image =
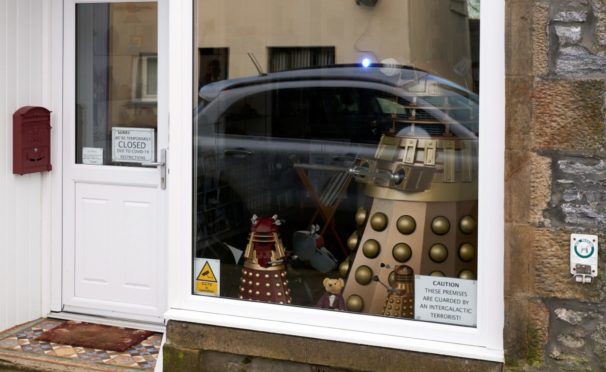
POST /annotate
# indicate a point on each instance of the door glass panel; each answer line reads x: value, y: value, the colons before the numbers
x: 116, y: 83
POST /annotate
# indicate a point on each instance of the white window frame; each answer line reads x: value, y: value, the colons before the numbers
x: 483, y: 342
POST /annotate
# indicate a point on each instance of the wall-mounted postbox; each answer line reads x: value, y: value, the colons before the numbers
x: 31, y: 140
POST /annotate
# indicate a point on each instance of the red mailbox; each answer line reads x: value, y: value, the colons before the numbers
x: 31, y: 140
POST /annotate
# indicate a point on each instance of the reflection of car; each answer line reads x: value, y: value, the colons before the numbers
x: 252, y: 132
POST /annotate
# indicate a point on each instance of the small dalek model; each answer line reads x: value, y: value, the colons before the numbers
x: 400, y: 301
x: 264, y: 272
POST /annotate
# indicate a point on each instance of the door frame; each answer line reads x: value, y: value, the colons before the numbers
x: 52, y: 258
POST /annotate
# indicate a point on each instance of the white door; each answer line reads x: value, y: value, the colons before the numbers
x: 114, y: 149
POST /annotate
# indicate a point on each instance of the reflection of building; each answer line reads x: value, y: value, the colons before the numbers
x: 391, y: 29
x: 133, y: 49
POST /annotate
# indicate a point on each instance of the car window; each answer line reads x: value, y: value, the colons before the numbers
x: 248, y: 116
x: 292, y: 112
x: 339, y: 114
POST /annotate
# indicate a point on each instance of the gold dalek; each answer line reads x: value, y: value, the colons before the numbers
x: 264, y: 273
x: 400, y: 301
x: 423, y: 184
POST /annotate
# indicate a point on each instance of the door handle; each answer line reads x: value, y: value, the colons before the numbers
x: 160, y: 164
x: 153, y: 164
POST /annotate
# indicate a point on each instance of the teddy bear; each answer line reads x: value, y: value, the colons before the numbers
x: 332, y: 298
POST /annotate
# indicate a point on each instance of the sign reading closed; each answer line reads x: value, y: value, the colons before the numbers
x: 133, y: 145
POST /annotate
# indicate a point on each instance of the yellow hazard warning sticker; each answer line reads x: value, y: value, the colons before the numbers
x: 207, y: 274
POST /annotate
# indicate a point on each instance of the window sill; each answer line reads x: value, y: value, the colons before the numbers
x: 340, y: 335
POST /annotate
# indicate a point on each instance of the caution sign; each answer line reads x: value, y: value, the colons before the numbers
x: 445, y: 300
x: 207, y: 276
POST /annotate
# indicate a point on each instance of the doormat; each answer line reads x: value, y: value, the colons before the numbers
x: 95, y: 336
x: 18, y: 345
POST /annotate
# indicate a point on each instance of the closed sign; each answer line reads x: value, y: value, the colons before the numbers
x: 133, y: 145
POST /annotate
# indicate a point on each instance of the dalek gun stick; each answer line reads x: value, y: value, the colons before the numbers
x: 362, y: 172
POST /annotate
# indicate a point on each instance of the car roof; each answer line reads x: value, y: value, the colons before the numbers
x: 391, y: 75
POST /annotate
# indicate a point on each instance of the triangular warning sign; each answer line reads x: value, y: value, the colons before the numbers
x: 206, y: 274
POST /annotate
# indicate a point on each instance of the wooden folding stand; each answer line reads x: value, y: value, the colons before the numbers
x: 329, y: 198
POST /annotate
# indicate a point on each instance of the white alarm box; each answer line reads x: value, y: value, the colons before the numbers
x: 583, y: 257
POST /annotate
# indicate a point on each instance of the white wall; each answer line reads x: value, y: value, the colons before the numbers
x: 24, y: 200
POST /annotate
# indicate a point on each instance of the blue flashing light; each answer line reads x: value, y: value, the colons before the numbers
x: 366, y: 62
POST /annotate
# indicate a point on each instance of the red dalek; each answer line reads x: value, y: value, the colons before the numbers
x: 264, y: 272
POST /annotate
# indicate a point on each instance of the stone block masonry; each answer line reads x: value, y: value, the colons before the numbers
x: 556, y: 137
x: 197, y: 347
x: 579, y: 192
x: 577, y: 336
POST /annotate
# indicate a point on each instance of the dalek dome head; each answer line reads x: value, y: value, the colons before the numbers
x: 404, y: 273
x: 429, y: 146
x: 402, y: 278
x: 265, y: 225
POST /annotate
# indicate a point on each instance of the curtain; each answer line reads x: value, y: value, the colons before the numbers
x: 285, y: 58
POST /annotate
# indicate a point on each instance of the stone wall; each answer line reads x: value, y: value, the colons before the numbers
x: 555, y: 178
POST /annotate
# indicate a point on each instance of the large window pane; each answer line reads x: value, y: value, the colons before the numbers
x: 336, y: 155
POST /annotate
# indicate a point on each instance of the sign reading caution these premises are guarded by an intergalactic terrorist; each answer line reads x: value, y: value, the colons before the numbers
x: 445, y: 300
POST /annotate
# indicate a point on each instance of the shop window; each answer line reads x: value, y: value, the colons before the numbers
x: 341, y: 194
x: 288, y: 58
x: 362, y: 174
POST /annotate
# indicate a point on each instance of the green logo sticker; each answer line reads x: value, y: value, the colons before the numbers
x: 584, y: 248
